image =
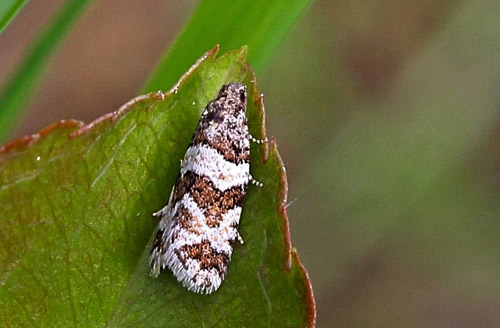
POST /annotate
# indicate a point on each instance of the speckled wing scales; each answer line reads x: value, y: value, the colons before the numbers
x: 198, y: 226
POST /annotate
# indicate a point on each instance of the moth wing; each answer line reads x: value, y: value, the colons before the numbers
x: 157, y: 260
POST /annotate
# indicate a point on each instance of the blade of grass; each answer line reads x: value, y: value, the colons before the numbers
x: 259, y: 24
x: 9, y: 10
x: 16, y: 94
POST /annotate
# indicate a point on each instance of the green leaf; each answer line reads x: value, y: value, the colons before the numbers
x: 8, y: 10
x: 17, y: 92
x: 75, y: 210
x: 259, y: 24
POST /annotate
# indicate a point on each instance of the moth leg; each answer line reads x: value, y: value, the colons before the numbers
x: 255, y: 182
x: 162, y: 212
x: 259, y: 141
x: 239, y: 238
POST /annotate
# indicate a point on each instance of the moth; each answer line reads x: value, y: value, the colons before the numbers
x: 199, y: 225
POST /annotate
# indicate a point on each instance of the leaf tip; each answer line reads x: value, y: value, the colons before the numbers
x: 212, y: 53
x: 243, y: 50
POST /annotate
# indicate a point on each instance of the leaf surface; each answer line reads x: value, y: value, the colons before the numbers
x: 76, y: 204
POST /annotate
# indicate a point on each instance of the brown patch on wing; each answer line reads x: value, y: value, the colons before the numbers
x: 209, y: 199
x: 185, y: 219
x: 208, y: 257
x: 227, y: 145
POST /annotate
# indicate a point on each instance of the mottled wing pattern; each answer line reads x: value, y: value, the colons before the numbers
x: 199, y: 224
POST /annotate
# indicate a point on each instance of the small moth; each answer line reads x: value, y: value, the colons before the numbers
x: 198, y: 226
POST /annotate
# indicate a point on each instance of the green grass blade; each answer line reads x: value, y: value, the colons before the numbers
x: 259, y: 24
x: 17, y: 92
x: 8, y: 10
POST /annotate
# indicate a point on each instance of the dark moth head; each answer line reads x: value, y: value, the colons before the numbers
x: 236, y: 92
x: 230, y: 103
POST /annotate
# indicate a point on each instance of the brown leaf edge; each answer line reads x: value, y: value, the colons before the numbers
x: 23, y: 143
x: 292, y: 256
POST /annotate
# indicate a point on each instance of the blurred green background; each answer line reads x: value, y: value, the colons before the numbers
x: 387, y: 116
